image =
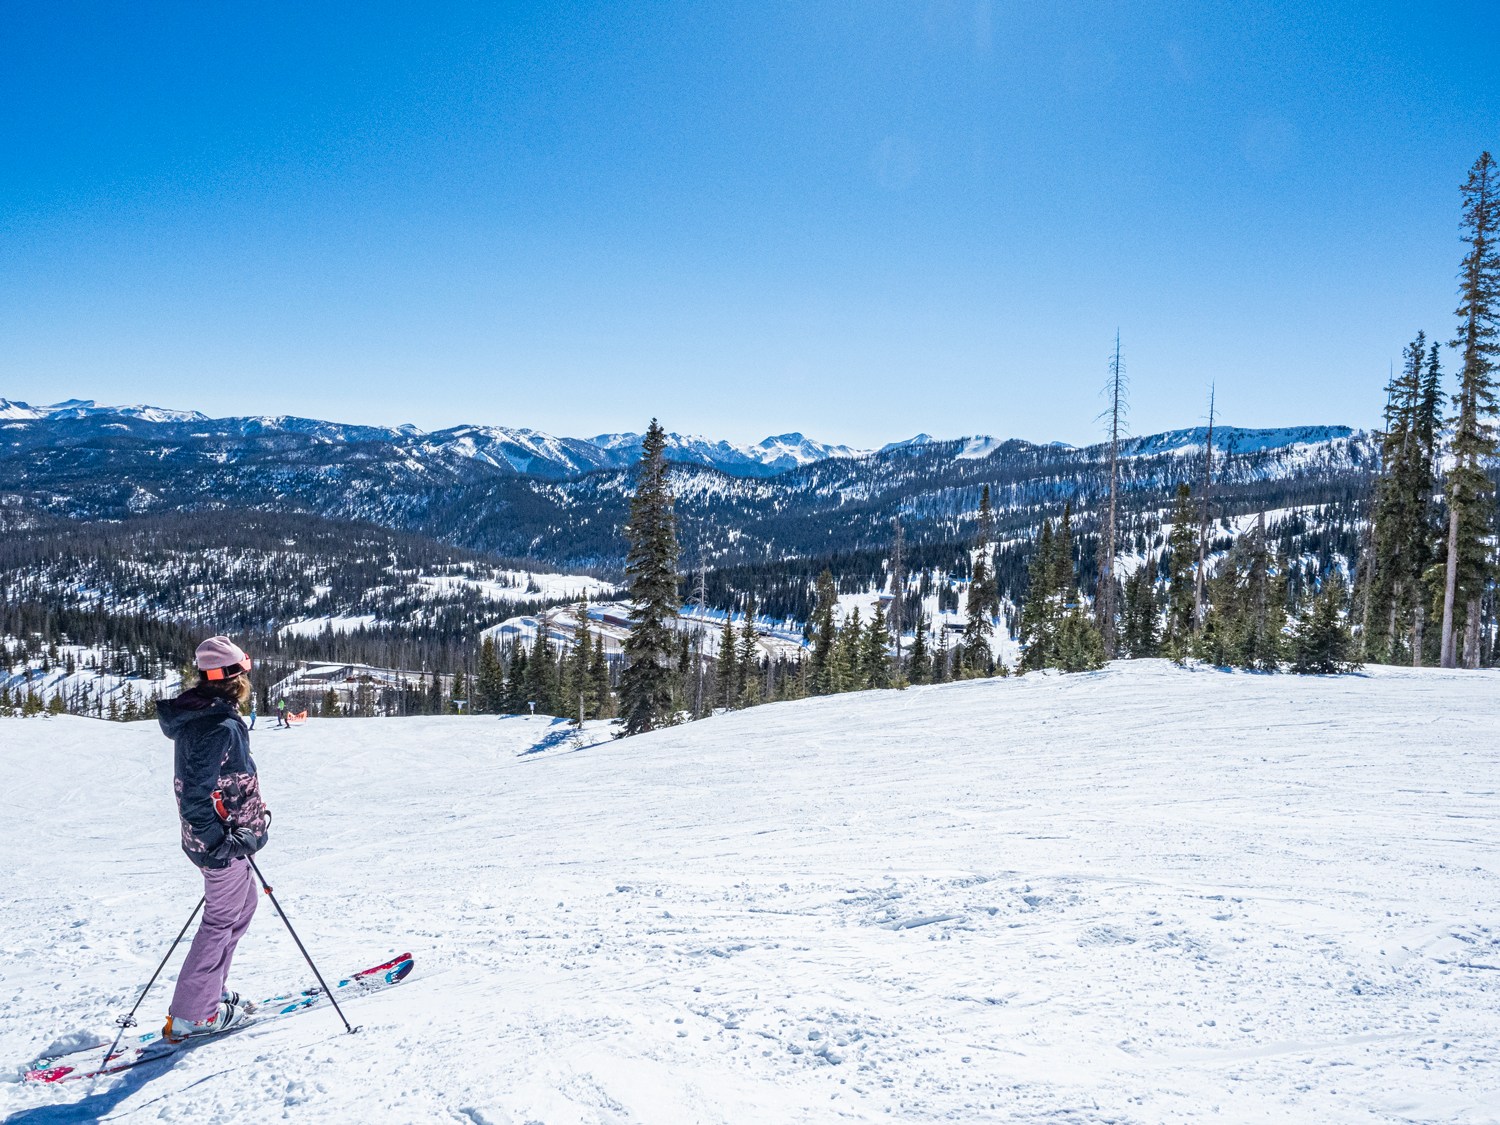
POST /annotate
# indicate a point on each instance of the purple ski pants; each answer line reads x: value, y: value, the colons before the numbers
x: 229, y: 904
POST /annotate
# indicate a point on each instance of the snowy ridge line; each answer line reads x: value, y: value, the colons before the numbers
x: 532, y: 452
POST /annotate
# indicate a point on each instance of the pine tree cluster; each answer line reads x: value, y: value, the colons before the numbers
x: 1056, y: 629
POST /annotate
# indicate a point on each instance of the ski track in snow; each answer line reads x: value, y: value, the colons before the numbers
x: 1144, y: 895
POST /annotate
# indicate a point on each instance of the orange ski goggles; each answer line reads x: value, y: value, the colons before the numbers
x: 227, y: 671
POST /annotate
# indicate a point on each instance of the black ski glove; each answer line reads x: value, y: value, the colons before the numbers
x: 237, y: 843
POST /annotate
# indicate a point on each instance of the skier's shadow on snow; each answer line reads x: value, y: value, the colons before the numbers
x: 94, y: 1106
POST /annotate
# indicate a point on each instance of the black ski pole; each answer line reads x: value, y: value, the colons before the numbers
x: 324, y: 984
x: 129, y: 1021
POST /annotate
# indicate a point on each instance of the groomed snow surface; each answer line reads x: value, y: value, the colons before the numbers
x: 1145, y: 895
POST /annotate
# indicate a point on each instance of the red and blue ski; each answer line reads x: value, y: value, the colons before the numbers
x: 86, y: 1063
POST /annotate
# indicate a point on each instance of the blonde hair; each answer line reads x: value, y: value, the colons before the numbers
x: 235, y: 689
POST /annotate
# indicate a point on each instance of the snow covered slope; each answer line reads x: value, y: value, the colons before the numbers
x: 1146, y: 895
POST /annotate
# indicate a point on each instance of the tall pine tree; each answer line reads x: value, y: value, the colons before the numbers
x: 1182, y: 549
x: 1138, y: 624
x: 747, y: 662
x: 1467, y: 564
x: 1400, y: 533
x: 1039, y: 615
x: 727, y: 670
x: 647, y: 688
x: 875, y: 656
x: 825, y: 635
x: 489, y: 687
x: 983, y: 601
x: 846, y: 673
x: 919, y: 665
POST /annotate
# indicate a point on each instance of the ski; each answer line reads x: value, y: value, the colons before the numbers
x: 85, y: 1063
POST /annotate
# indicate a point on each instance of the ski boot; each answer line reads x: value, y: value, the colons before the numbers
x: 179, y: 1030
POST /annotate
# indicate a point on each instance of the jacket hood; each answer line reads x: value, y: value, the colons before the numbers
x: 174, y: 714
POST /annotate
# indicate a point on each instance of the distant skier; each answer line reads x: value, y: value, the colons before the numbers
x: 252, y: 710
x: 223, y: 820
x: 281, y: 719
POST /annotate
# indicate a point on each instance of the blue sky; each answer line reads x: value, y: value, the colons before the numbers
x: 856, y: 219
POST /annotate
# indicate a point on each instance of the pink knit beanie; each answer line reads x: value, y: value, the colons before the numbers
x: 219, y: 658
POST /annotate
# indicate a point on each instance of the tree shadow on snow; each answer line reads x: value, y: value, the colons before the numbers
x: 559, y: 734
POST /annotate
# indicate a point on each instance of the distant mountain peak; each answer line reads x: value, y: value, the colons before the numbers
x: 18, y: 411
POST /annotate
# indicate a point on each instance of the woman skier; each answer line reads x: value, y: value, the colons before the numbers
x: 223, y: 821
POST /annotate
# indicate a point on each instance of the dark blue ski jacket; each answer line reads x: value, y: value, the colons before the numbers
x: 212, y: 758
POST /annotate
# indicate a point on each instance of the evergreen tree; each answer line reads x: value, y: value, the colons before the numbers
x: 727, y: 671
x: 1064, y: 582
x: 1262, y: 635
x: 1079, y: 647
x: 683, y: 688
x: 941, y: 663
x: 576, y: 675
x: 984, y: 594
x: 1467, y: 561
x: 601, y: 702
x: 1218, y: 638
x: 748, y: 661
x: 919, y: 667
x: 489, y: 684
x: 1244, y: 615
x: 517, y: 681
x: 1428, y: 430
x: 875, y: 656
x: 541, y: 673
x: 1323, y: 644
x: 1039, y: 613
x: 975, y: 658
x: 1139, y: 618
x: 1053, y: 621
x: 974, y: 655
x: 825, y: 633
x: 1401, y: 534
x: 1079, y: 644
x: 845, y: 666
x: 646, y: 686
x: 460, y: 693
x: 1182, y: 547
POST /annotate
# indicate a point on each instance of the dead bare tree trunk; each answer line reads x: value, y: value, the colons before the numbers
x: 1200, y: 580
x: 898, y: 585
x: 701, y: 594
x: 1105, y: 609
x: 1449, y: 653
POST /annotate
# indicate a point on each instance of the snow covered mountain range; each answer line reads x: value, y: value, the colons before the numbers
x: 526, y: 451
x: 563, y: 501
x: 533, y: 453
